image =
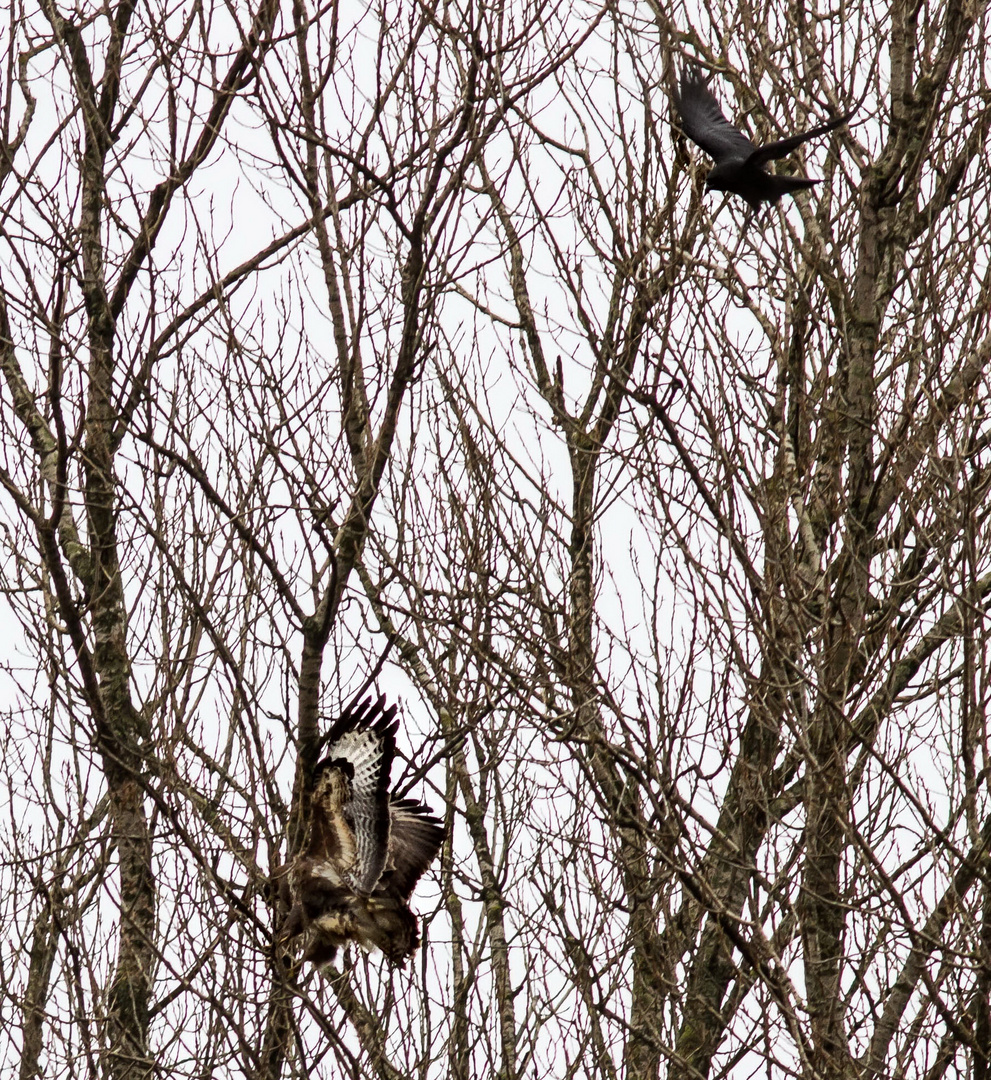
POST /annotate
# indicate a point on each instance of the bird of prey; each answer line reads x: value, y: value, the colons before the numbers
x: 364, y: 848
x: 739, y: 163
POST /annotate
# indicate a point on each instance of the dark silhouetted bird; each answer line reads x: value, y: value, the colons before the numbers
x: 364, y: 850
x: 739, y: 163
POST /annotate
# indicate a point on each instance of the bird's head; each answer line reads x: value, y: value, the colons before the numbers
x: 333, y: 774
x: 724, y: 177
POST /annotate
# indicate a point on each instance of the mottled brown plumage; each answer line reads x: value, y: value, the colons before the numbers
x: 364, y: 849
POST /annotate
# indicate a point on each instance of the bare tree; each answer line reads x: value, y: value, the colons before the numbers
x: 403, y: 346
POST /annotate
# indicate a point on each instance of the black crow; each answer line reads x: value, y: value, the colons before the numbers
x: 739, y: 163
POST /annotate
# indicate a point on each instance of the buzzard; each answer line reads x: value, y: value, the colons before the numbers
x: 363, y: 850
x: 739, y: 162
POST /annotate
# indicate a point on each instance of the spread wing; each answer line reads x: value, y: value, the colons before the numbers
x: 793, y: 142
x: 703, y: 122
x: 364, y: 850
x: 414, y: 839
x: 360, y: 748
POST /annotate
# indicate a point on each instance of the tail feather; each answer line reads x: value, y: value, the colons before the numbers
x: 781, y: 185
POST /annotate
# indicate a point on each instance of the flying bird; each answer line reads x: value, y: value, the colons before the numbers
x: 364, y: 849
x: 739, y: 162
